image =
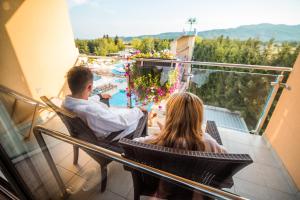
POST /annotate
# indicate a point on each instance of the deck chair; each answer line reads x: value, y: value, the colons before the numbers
x: 78, y: 129
x: 213, y: 169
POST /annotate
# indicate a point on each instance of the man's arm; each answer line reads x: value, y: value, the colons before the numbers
x: 111, y: 120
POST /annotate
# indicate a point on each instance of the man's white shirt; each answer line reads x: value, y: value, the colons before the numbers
x: 102, y: 119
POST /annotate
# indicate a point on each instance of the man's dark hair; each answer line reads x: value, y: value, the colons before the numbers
x: 78, y: 78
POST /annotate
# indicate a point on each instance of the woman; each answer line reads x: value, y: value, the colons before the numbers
x: 183, y: 126
x: 182, y: 130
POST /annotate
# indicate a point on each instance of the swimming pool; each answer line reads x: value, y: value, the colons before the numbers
x: 96, y: 77
x: 119, y: 65
x: 120, y: 100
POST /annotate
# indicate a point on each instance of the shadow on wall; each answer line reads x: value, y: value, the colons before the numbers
x: 11, y: 74
x: 38, y: 46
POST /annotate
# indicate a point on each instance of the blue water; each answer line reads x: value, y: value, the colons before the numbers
x: 114, y: 71
x: 120, y: 99
x: 119, y: 65
x: 96, y: 77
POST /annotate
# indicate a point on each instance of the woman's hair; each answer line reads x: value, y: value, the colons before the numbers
x: 182, y: 129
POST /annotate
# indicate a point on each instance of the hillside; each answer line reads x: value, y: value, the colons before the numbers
x: 264, y: 32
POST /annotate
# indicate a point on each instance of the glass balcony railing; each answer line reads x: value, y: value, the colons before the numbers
x: 235, y: 100
x: 236, y: 96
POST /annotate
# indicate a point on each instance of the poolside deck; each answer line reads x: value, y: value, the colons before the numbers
x: 265, y: 179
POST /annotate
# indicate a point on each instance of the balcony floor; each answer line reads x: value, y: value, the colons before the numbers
x: 265, y: 179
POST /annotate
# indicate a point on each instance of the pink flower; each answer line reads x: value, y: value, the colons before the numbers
x: 128, y: 94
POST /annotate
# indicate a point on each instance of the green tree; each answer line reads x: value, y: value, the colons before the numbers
x: 82, y: 46
x: 100, y: 46
x: 243, y: 92
x: 136, y: 43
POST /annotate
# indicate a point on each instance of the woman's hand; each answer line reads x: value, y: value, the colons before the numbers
x: 160, y: 125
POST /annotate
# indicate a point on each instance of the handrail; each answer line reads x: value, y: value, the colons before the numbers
x: 22, y: 97
x: 228, y: 65
x: 207, y: 190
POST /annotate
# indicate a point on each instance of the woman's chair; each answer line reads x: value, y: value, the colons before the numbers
x: 214, y: 169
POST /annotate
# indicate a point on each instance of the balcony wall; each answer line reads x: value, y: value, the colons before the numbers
x: 283, y: 131
x: 37, y: 46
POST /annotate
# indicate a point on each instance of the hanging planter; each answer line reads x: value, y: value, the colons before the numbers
x: 164, y: 55
x: 153, y: 82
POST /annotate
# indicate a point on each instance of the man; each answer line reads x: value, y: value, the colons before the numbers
x: 109, y: 123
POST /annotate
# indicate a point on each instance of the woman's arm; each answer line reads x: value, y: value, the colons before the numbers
x: 211, y: 145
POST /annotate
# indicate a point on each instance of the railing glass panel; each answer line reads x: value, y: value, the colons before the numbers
x: 41, y: 165
x: 234, y: 100
x: 20, y: 154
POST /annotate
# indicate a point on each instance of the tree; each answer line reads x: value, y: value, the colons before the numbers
x: 149, y: 45
x: 82, y: 46
x: 160, y: 45
x: 136, y: 43
x: 116, y: 40
x: 242, y: 92
x: 100, y: 46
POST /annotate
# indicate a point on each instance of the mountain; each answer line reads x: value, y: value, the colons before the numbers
x: 264, y: 32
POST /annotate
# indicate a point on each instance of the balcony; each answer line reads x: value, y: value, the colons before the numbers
x: 49, y: 42
x: 266, y: 178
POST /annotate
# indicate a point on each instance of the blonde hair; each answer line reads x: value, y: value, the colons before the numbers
x: 182, y: 129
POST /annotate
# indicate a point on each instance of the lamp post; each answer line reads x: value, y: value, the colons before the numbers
x: 191, y: 21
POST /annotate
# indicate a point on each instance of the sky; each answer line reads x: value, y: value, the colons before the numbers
x: 94, y: 18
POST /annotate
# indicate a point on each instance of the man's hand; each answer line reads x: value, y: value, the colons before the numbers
x: 105, y: 96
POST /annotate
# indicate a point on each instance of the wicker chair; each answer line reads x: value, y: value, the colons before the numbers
x: 214, y: 169
x: 78, y: 129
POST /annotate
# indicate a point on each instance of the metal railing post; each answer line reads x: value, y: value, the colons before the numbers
x: 129, y: 92
x: 268, y: 105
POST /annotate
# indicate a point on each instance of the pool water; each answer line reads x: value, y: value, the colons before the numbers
x: 96, y: 77
x: 120, y: 100
x: 119, y: 65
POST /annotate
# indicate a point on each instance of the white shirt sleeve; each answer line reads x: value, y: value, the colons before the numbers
x: 95, y: 98
x: 111, y: 120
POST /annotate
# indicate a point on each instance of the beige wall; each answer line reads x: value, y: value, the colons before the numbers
x: 283, y: 131
x: 184, y: 47
x: 38, y: 46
